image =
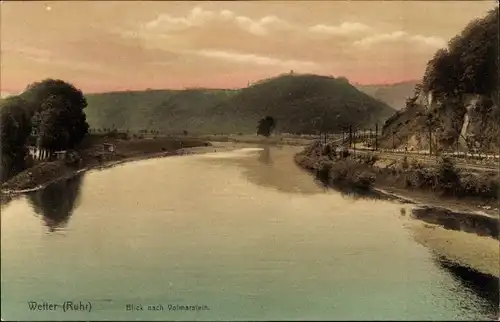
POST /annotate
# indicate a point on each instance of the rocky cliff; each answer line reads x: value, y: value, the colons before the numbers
x: 456, y: 106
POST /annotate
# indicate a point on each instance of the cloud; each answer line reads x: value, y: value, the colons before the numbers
x: 344, y: 28
x: 198, y: 17
x: 255, y: 59
x: 47, y: 57
x: 400, y: 36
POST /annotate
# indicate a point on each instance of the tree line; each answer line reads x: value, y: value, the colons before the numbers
x: 469, y: 64
x: 49, y: 114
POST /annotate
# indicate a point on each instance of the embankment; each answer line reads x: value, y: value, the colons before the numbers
x: 450, y: 226
x: 275, y: 139
x: 92, y: 155
x: 439, y: 185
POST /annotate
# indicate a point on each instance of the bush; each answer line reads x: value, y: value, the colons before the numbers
x: 363, y: 180
x: 448, y: 178
x: 72, y: 158
x: 421, y: 178
x: 416, y: 165
x: 348, y: 172
x: 327, y: 149
x: 345, y: 154
x: 483, y: 186
x: 405, y: 165
x: 323, y: 174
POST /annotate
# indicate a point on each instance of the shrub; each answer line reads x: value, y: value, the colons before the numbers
x: 72, y: 158
x: 323, y: 174
x: 448, y: 178
x: 405, y: 165
x: 363, y: 180
x: 421, y: 178
x: 327, y: 149
x: 416, y: 165
x: 345, y: 154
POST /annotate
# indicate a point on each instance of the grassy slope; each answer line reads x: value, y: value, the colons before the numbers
x: 298, y: 102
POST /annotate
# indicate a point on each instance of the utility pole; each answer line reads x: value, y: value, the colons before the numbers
x: 354, y: 141
x: 376, y: 136
x: 370, y: 138
x: 430, y: 140
x: 393, y: 144
x: 350, y: 136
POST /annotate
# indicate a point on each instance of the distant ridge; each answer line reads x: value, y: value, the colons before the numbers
x: 300, y: 103
x: 394, y: 95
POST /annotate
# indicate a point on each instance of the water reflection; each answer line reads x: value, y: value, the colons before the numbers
x: 485, y: 286
x: 56, y: 202
x: 265, y: 155
x: 277, y: 170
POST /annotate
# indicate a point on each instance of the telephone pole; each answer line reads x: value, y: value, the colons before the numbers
x: 376, y: 136
x: 350, y: 136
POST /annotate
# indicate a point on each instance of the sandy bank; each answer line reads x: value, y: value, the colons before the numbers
x: 479, y: 253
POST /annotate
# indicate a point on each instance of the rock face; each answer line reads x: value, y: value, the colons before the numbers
x: 457, y: 105
x: 468, y: 123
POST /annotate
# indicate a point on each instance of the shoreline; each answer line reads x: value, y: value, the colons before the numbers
x: 210, y: 146
x: 68, y: 174
x: 452, y: 228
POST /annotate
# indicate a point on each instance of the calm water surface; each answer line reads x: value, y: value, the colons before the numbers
x: 245, y: 234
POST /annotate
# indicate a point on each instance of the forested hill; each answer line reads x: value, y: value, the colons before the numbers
x: 459, y: 95
x: 299, y: 103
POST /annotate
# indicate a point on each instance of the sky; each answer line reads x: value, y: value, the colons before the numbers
x: 104, y: 46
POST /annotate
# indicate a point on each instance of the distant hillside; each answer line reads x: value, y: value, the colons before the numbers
x: 299, y: 103
x: 172, y: 111
x: 457, y: 104
x: 394, y: 95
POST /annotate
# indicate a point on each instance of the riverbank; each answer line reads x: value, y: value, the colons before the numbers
x: 93, y: 156
x: 463, y: 230
x: 478, y: 253
x: 474, y: 192
x: 274, y: 139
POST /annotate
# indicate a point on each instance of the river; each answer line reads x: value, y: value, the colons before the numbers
x: 242, y: 235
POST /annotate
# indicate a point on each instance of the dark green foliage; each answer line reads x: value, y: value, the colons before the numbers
x: 368, y: 159
x: 15, y: 128
x: 448, y: 177
x: 405, y: 164
x: 53, y: 132
x: 468, y: 68
x: 56, y: 203
x: 57, y: 110
x: 266, y: 126
x: 352, y: 173
x: 299, y: 102
x: 470, y: 64
x: 15, y: 124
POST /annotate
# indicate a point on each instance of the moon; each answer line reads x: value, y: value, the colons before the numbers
x: 48, y: 8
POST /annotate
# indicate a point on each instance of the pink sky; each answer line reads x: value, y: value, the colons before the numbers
x: 107, y: 46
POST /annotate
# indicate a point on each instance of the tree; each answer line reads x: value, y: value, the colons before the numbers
x: 266, y: 126
x: 66, y: 104
x: 448, y: 176
x: 54, y: 130
x: 15, y: 129
x: 470, y: 64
